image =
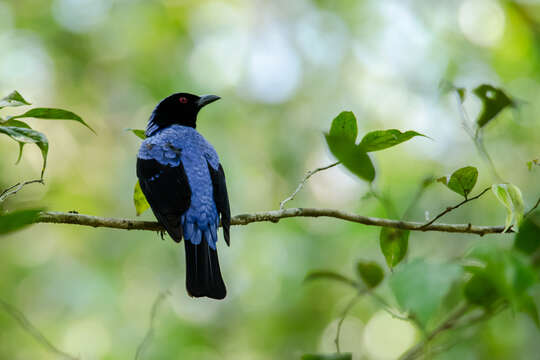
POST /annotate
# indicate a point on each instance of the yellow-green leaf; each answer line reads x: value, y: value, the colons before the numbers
x: 139, y: 200
x: 510, y: 196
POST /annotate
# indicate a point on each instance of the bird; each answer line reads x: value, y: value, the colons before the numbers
x: 181, y: 176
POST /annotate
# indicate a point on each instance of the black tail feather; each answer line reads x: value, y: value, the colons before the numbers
x: 203, y: 276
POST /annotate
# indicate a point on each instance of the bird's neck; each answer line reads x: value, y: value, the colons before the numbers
x: 158, y: 122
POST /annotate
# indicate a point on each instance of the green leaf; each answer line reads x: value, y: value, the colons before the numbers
x: 28, y: 136
x: 528, y: 238
x: 341, y: 356
x: 508, y: 271
x: 49, y: 113
x: 510, y: 196
x: 494, y: 100
x: 16, y: 123
x: 394, y: 244
x: 462, y: 181
x: 420, y: 287
x: 139, y: 200
x: 344, y: 126
x: 329, y: 275
x: 138, y: 132
x: 19, y: 124
x: 13, y: 99
x: 480, y: 290
x: 370, y: 272
x: 353, y: 157
x: 528, y: 306
x: 17, y: 220
x: 383, y: 139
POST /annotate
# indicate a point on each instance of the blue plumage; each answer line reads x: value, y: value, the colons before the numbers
x: 184, y: 144
x: 184, y: 183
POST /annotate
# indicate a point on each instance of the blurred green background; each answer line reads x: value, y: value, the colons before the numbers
x: 284, y: 70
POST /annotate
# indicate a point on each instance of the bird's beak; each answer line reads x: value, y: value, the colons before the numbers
x: 207, y: 99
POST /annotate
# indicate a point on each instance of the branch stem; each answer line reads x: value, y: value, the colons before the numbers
x: 451, y: 208
x: 417, y: 350
x: 346, y: 311
x: 303, y: 182
x: 12, y: 190
x: 268, y: 216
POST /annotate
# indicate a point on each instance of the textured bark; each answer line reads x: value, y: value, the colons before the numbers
x: 272, y: 216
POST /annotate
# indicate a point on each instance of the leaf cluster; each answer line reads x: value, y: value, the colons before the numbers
x: 23, y: 133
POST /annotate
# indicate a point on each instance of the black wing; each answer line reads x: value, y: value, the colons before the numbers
x: 167, y: 190
x: 221, y: 199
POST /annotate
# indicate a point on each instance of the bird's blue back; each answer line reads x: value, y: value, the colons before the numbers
x: 184, y: 144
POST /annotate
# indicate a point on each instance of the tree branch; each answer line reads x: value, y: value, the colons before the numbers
x: 303, y: 182
x: 271, y: 216
x: 448, y: 324
x: 346, y: 311
x: 532, y: 209
x: 451, y: 208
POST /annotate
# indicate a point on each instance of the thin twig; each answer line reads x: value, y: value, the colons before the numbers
x: 386, y: 203
x: 532, y: 209
x: 448, y: 324
x: 12, y: 190
x: 451, y: 208
x: 388, y: 308
x: 421, y: 189
x: 33, y: 331
x: 348, y: 308
x: 482, y: 317
x: 303, y: 182
x: 150, y: 333
x: 475, y: 135
x: 270, y: 216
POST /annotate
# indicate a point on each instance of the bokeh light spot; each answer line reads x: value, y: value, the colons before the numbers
x: 80, y: 16
x: 386, y: 337
x: 482, y: 21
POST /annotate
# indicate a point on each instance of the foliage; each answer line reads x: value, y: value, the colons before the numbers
x: 102, y: 61
x: 494, y: 100
x: 17, y: 220
x: 370, y: 272
x: 394, y: 244
x: 139, y: 200
x: 420, y: 287
x: 462, y: 181
x: 510, y: 196
x: 22, y: 133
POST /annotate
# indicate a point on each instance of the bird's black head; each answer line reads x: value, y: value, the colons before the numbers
x: 179, y: 108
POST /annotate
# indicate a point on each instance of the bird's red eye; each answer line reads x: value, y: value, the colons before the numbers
x: 183, y: 100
